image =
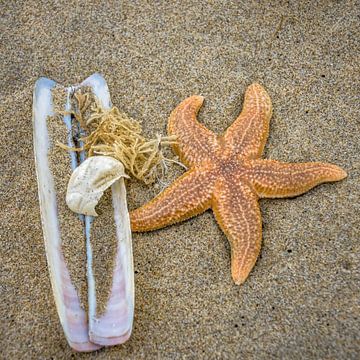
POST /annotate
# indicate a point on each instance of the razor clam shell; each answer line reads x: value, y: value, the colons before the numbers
x: 72, y: 317
x: 115, y: 325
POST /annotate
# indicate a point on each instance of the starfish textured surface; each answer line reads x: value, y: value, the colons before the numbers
x: 227, y: 175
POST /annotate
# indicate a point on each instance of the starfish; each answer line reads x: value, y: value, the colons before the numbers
x: 225, y: 173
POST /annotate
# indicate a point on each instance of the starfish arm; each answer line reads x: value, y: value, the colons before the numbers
x: 237, y: 212
x: 188, y: 196
x: 195, y: 142
x: 247, y: 136
x: 274, y: 179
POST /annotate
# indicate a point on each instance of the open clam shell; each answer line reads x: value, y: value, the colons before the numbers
x: 84, y: 332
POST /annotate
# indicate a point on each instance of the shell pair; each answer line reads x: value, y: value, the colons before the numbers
x: 85, y: 326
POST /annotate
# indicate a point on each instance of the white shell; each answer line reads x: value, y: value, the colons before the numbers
x: 89, y: 181
x: 84, y: 332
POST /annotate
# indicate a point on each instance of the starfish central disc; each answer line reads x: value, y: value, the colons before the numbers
x: 230, y: 167
x: 226, y: 173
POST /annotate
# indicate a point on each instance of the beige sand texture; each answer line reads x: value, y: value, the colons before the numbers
x: 301, y: 300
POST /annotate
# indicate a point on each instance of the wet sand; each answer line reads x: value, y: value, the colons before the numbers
x: 301, y: 299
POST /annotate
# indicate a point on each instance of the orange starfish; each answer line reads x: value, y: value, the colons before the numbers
x: 227, y: 175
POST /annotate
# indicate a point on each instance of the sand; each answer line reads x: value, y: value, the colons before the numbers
x: 103, y: 243
x: 301, y: 299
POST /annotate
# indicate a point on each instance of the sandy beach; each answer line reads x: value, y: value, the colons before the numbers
x: 301, y: 299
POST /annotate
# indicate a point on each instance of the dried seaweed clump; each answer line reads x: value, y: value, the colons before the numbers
x: 113, y: 133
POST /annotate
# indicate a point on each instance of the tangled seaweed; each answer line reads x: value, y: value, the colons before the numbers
x: 113, y: 133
